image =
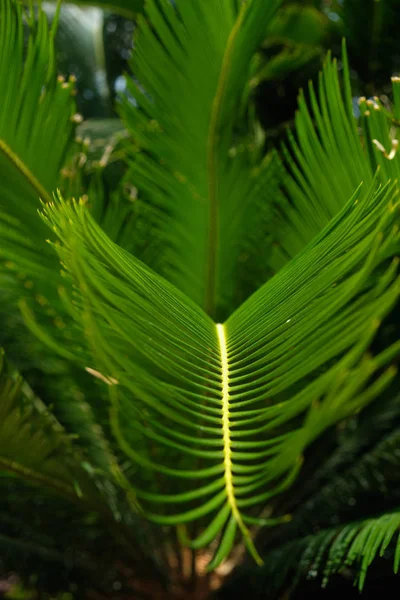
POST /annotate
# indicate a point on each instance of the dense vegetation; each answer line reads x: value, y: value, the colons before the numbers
x: 199, y: 292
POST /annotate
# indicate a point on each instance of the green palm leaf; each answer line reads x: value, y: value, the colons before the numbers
x: 232, y: 394
x: 36, y: 127
x: 197, y: 172
x: 327, y: 134
x: 329, y: 551
x: 336, y: 494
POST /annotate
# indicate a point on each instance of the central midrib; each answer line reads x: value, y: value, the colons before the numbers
x: 25, y: 171
x: 226, y: 429
x: 226, y: 420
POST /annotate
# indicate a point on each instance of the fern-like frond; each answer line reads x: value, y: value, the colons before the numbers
x: 192, y: 63
x: 360, y: 479
x: 358, y: 469
x: 328, y: 552
x: 330, y: 155
x: 34, y: 447
x: 36, y: 126
x: 225, y: 406
x: 375, y: 474
x: 36, y: 450
x: 243, y: 398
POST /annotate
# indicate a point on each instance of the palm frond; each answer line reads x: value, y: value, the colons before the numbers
x: 359, y: 480
x: 328, y: 552
x: 327, y: 134
x: 225, y: 408
x: 182, y: 386
x: 36, y: 450
x: 337, y: 492
x: 37, y: 123
x: 194, y: 167
x: 33, y: 446
x: 374, y: 473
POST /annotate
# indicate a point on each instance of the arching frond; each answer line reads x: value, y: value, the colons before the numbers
x: 330, y: 155
x: 231, y: 395
x: 192, y: 63
x: 295, y: 554
x: 225, y: 406
x: 328, y: 552
x: 336, y: 493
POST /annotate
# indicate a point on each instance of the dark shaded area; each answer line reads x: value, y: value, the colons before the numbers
x: 371, y: 30
x: 380, y: 581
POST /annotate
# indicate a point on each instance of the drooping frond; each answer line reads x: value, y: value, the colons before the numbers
x: 358, y: 468
x: 34, y: 447
x: 36, y: 450
x: 330, y: 551
x: 346, y: 500
x: 365, y: 466
x: 195, y: 169
x: 244, y: 398
x: 330, y: 155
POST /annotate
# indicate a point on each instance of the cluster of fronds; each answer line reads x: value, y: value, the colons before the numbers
x: 231, y: 305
